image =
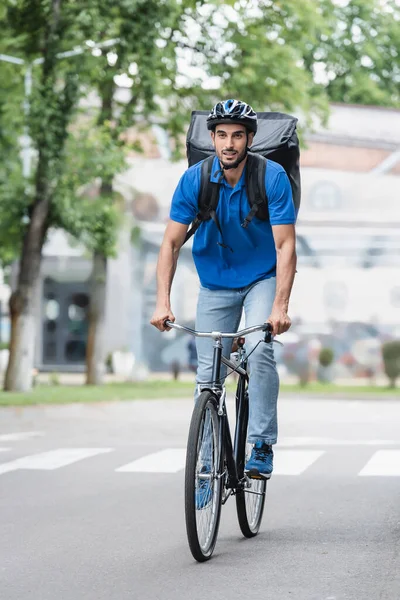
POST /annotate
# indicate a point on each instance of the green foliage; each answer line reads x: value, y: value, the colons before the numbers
x: 264, y: 55
x: 326, y: 357
x: 360, y: 55
x: 176, y: 56
x: 91, y: 156
x: 14, y: 212
x: 13, y: 201
x: 391, y: 360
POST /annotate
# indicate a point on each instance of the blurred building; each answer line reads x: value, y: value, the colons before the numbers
x: 348, y: 247
x: 349, y: 223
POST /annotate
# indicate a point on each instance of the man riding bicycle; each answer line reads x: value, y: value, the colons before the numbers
x: 240, y: 268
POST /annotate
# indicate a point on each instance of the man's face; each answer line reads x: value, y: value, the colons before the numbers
x: 230, y: 143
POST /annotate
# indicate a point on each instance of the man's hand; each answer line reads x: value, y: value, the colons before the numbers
x: 162, y: 314
x: 279, y: 320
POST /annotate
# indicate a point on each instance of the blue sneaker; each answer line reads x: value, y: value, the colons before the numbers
x: 260, y: 464
x: 204, y: 489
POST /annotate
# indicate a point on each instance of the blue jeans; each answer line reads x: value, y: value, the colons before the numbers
x: 221, y: 310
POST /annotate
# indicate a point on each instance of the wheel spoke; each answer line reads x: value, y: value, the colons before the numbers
x: 250, y: 501
x: 207, y: 457
x: 202, y: 479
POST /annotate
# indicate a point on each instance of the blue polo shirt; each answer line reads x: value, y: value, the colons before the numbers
x: 254, y: 255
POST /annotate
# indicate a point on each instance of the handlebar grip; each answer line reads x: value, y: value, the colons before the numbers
x: 268, y: 334
x: 166, y: 323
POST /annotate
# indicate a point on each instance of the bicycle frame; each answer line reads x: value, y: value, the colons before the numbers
x: 230, y: 450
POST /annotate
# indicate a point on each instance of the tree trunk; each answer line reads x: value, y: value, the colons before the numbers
x: 20, y: 365
x: 95, y: 354
x: 22, y: 302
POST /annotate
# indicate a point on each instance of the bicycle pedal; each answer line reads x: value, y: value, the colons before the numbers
x: 254, y: 474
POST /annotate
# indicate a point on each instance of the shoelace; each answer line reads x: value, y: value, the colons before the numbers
x: 262, y: 453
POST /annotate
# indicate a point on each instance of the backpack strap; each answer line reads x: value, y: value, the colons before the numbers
x: 208, y: 201
x: 211, y: 209
x: 255, y: 185
x: 208, y: 196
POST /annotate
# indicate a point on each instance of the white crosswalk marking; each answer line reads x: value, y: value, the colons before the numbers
x: 20, y: 435
x: 294, y: 462
x: 324, y: 441
x: 384, y: 463
x: 170, y: 460
x: 48, y: 461
x: 287, y: 461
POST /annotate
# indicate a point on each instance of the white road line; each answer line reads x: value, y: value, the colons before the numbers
x: 294, y: 462
x: 48, y: 461
x: 170, y: 460
x: 322, y: 441
x: 21, y: 435
x: 384, y: 463
x: 291, y: 462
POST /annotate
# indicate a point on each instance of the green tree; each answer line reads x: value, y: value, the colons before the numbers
x: 42, y: 34
x: 391, y: 360
x: 358, y: 54
x: 179, y: 55
x: 37, y: 29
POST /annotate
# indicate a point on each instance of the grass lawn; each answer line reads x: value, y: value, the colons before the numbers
x: 62, y: 394
x: 65, y: 394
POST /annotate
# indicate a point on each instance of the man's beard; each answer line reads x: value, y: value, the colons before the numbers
x: 236, y: 163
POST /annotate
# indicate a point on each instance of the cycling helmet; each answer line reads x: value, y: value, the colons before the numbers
x: 233, y: 111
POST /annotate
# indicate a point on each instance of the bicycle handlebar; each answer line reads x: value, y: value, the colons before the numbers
x: 266, y: 327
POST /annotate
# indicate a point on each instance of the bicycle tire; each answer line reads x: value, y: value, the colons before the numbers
x: 206, y: 406
x: 250, y: 502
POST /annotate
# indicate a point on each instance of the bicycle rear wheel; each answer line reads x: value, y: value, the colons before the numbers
x: 250, y: 502
x: 203, y: 478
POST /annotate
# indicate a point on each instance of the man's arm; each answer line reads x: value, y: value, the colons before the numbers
x: 167, y: 260
x: 285, y: 243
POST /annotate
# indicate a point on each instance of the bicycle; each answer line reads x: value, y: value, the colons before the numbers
x: 215, y: 466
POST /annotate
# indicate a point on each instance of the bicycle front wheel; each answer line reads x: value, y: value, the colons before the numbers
x: 203, y: 478
x: 251, y: 500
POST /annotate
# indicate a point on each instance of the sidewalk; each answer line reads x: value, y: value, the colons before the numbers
x: 79, y: 379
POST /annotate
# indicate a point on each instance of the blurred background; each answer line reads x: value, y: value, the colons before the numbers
x: 94, y: 107
x: 346, y: 295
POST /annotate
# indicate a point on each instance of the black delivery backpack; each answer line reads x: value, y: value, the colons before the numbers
x: 276, y: 139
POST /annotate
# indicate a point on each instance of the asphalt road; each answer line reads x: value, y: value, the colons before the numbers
x: 87, y: 512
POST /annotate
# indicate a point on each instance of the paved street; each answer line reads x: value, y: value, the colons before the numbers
x: 91, y: 506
